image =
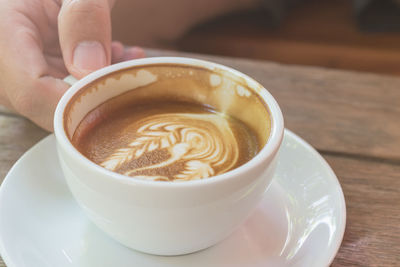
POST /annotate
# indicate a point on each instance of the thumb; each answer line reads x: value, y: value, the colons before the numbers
x: 85, y: 35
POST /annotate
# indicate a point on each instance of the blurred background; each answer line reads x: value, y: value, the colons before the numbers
x: 362, y: 35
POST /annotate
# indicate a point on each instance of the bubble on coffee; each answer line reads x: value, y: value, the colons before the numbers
x: 198, y: 146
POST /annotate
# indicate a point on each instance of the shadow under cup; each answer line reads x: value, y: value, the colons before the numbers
x: 167, y: 218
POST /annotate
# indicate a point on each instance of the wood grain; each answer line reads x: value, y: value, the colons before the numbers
x: 338, y: 111
x: 17, y: 135
x: 372, y: 194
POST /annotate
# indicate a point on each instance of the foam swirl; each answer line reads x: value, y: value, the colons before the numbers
x: 196, y: 146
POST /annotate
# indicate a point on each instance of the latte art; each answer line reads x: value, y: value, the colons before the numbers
x: 187, y: 147
x: 164, y: 140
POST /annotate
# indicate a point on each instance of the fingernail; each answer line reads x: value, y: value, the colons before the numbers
x: 89, y: 55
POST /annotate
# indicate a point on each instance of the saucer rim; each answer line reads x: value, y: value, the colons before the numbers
x: 342, y: 225
x: 329, y: 258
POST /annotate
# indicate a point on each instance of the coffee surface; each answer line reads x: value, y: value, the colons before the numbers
x: 165, y: 141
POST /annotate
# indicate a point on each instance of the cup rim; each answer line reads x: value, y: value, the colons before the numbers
x: 267, y: 152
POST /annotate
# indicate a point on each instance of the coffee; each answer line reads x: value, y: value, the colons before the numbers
x: 168, y: 122
x: 165, y: 141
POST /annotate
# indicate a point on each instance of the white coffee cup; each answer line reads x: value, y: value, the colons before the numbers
x: 163, y: 218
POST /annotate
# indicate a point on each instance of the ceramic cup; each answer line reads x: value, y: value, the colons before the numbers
x: 163, y: 218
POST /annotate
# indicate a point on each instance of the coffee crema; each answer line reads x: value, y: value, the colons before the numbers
x: 169, y: 122
x: 165, y: 141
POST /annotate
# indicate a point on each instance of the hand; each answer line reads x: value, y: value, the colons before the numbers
x: 42, y: 41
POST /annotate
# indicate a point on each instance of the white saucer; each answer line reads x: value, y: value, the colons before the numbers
x: 300, y: 221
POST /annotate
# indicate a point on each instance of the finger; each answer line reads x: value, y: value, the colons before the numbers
x: 133, y: 53
x: 29, y: 88
x: 56, y: 66
x: 4, y: 100
x: 117, y: 52
x: 121, y: 53
x: 43, y: 104
x: 85, y: 35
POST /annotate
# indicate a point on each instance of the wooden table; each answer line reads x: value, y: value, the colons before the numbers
x: 352, y: 119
